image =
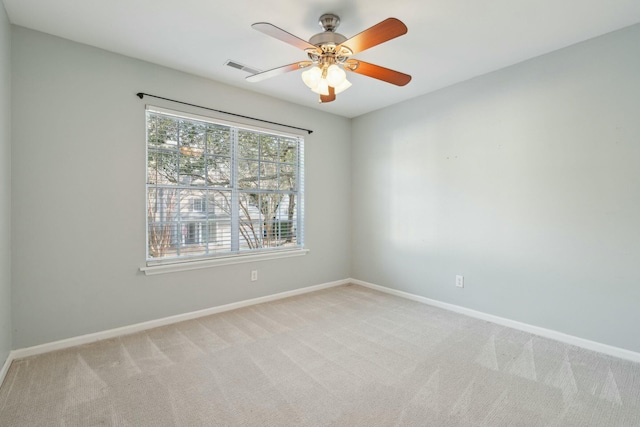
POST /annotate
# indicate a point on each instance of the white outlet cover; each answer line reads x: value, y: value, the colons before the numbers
x: 460, y: 281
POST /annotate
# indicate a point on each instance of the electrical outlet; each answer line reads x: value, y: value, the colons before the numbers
x: 460, y: 281
x: 254, y: 275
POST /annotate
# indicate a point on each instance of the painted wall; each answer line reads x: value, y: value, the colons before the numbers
x: 79, y: 193
x: 525, y: 180
x: 5, y: 185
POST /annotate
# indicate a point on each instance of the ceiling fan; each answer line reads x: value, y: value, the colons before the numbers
x: 330, y: 54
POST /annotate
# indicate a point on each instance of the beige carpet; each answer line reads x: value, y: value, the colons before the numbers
x: 346, y: 356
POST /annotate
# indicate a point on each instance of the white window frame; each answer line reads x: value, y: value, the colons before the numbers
x: 199, y: 206
x: 158, y: 266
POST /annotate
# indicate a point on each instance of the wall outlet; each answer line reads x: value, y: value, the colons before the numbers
x: 254, y: 275
x: 460, y: 281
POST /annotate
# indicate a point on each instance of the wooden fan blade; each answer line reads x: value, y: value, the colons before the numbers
x: 386, y: 30
x: 330, y: 97
x: 280, y: 34
x: 277, y: 71
x: 377, y: 72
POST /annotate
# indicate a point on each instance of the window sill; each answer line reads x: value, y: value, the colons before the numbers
x: 215, y: 262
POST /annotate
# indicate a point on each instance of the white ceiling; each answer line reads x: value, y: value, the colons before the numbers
x: 448, y: 40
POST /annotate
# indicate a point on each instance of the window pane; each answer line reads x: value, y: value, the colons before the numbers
x: 269, y: 148
x: 191, y: 166
x: 269, y: 205
x: 250, y: 206
x: 193, y: 238
x: 280, y: 232
x: 248, y: 144
x: 267, y: 220
x: 218, y: 171
x: 289, y: 150
x: 192, y: 204
x: 163, y: 238
x: 287, y: 177
x: 219, y: 140
x: 191, y: 136
x: 162, y: 131
x: 219, y: 214
x: 219, y: 205
x: 268, y: 176
x: 162, y: 204
x: 250, y: 221
x: 162, y: 207
x: 248, y: 174
x: 162, y: 167
x: 219, y: 236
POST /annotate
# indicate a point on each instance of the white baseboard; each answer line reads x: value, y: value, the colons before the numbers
x: 126, y: 330
x: 543, y: 332
x: 5, y: 367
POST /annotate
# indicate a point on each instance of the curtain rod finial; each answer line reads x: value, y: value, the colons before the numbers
x: 140, y: 95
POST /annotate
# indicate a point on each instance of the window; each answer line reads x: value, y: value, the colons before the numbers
x: 197, y: 204
x: 214, y: 188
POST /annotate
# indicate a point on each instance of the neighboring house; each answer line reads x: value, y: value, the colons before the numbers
x: 195, y: 213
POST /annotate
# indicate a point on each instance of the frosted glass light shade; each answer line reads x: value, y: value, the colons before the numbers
x: 335, y: 75
x: 346, y: 84
x: 322, y: 88
x: 312, y: 77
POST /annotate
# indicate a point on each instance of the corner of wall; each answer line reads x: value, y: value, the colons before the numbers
x: 350, y: 217
x: 5, y: 191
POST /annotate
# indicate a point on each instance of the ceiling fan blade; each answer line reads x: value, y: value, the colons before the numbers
x: 277, y: 71
x: 330, y: 97
x: 384, y: 31
x: 280, y: 34
x: 377, y: 72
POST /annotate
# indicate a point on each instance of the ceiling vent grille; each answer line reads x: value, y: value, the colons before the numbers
x: 233, y: 64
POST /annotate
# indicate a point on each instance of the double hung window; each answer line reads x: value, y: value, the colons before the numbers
x: 220, y: 189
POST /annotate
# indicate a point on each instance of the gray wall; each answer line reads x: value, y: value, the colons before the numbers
x: 79, y: 193
x: 5, y: 185
x: 525, y: 180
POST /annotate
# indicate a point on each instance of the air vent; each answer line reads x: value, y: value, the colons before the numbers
x: 233, y: 64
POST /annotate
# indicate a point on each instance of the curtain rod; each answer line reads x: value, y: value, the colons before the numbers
x: 142, y: 95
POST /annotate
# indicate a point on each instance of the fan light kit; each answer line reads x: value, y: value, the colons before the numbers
x: 330, y: 55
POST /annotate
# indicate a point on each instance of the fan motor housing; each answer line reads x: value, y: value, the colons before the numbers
x: 327, y: 37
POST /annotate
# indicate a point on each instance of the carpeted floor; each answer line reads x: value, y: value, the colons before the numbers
x: 345, y: 356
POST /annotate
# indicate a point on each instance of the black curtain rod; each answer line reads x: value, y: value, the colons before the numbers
x: 142, y: 95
